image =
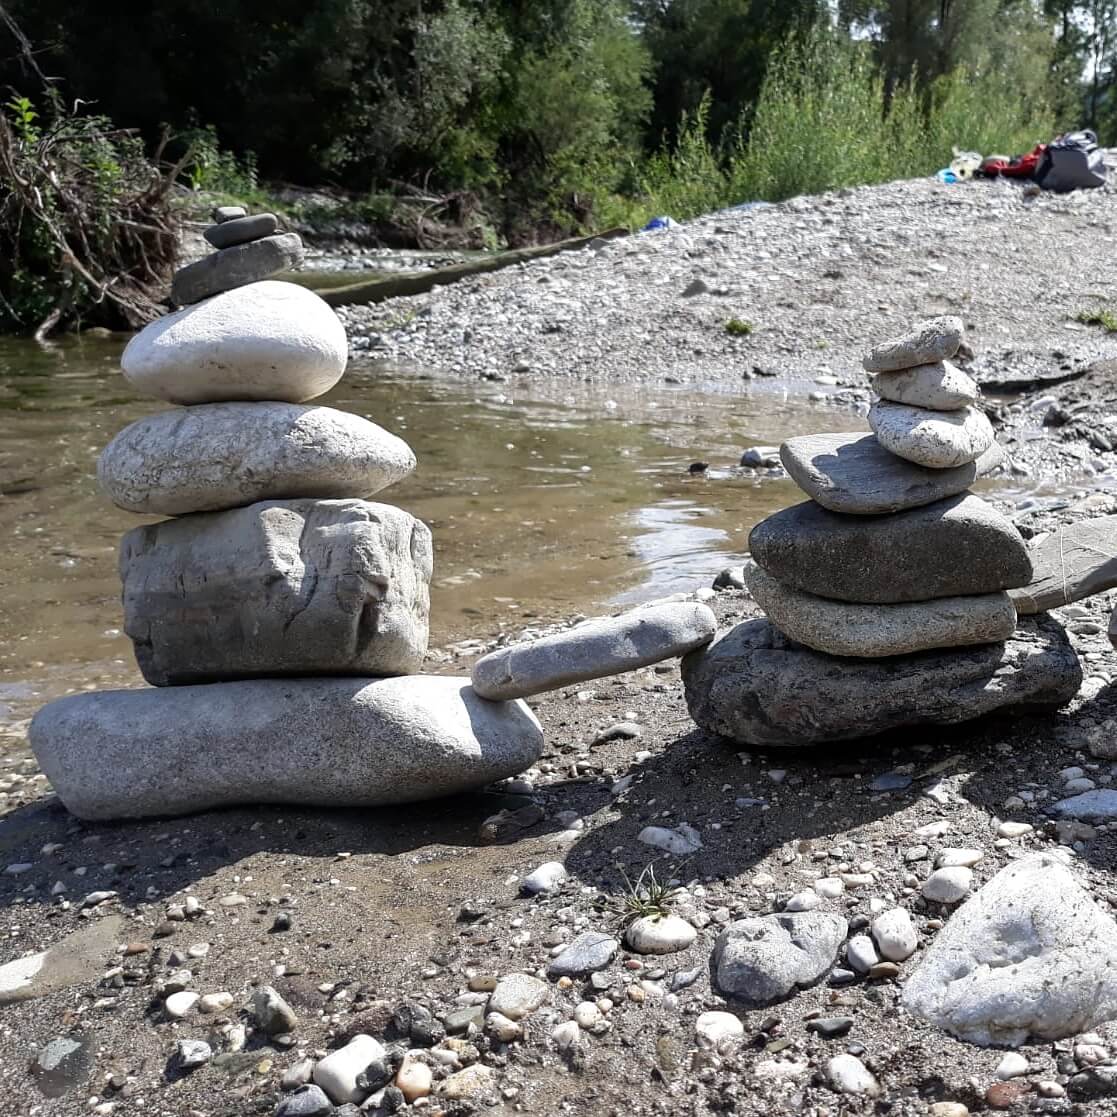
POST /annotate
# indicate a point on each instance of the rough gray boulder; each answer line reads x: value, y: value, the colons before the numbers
x: 1074, y: 562
x: 235, y: 267
x: 594, y: 649
x: 224, y: 455
x: 939, y: 387
x: 853, y: 473
x: 1031, y: 956
x: 267, y: 341
x: 936, y: 339
x: 757, y: 687
x: 961, y: 545
x: 934, y: 439
x: 309, y: 742
x: 299, y: 587
x: 764, y: 959
x: 841, y: 628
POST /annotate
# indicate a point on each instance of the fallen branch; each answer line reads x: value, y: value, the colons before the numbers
x: 418, y: 283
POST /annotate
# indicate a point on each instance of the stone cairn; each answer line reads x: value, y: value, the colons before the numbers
x: 279, y: 616
x: 888, y: 592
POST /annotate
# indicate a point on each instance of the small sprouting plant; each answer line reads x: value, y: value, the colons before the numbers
x: 738, y: 327
x: 646, y: 896
x: 1104, y: 318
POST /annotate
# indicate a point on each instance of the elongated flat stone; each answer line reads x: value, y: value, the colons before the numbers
x: 757, y: 687
x: 933, y: 439
x: 241, y: 230
x: 298, y: 587
x: 1076, y: 561
x: 961, y: 545
x: 595, y: 649
x: 853, y: 473
x: 310, y: 742
x: 936, y: 339
x: 77, y: 959
x: 940, y: 387
x: 224, y: 455
x: 236, y: 267
x: 871, y: 631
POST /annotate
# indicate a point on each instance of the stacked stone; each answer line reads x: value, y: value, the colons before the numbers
x: 887, y: 593
x: 281, y: 615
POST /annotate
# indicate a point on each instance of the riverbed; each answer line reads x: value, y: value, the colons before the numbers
x: 545, y: 499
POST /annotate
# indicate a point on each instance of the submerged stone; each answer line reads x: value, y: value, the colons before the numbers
x: 961, y: 545
x: 309, y: 742
x: 853, y: 473
x: 757, y: 687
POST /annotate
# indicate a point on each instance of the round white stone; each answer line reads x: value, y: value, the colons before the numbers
x: 225, y: 455
x: 179, y: 1005
x: 265, y: 341
x: 660, y: 934
x: 803, y: 901
x: 587, y: 1014
x: 848, y: 1075
x: 518, y: 994
x: 566, y: 1035
x: 895, y: 935
x: 948, y: 886
x: 712, y: 1029
x: 935, y: 439
x: 1012, y: 1066
x: 546, y: 878
x: 500, y: 1027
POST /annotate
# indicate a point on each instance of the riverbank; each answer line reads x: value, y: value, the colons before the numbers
x: 356, y: 917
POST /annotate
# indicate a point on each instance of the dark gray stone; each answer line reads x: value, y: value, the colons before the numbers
x: 309, y: 1101
x: 63, y: 1064
x: 294, y: 587
x: 236, y: 267
x: 590, y: 951
x: 764, y: 959
x: 241, y: 230
x: 459, y: 1020
x: 1076, y: 561
x: 960, y: 545
x: 853, y: 473
x: 271, y: 1013
x: 757, y: 687
x: 1093, y: 1082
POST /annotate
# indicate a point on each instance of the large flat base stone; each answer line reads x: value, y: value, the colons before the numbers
x: 1076, y: 561
x: 755, y: 686
x: 310, y: 742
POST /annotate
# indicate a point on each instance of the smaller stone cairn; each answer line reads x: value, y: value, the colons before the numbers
x: 281, y: 616
x: 887, y: 593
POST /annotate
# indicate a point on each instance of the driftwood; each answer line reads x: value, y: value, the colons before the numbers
x: 418, y: 283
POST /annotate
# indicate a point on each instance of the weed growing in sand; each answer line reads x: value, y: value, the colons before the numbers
x: 646, y: 896
x: 1104, y: 318
x: 738, y: 327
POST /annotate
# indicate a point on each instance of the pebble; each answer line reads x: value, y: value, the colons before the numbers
x: 1014, y: 829
x: 215, y: 1002
x: 517, y: 995
x: 680, y: 842
x: 307, y: 1101
x: 566, y: 1035
x: 660, y: 934
x: 894, y: 934
x: 546, y: 878
x: 948, y: 1109
x: 954, y: 858
x: 297, y: 1075
x: 180, y: 1004
x: 948, y: 886
x: 848, y: 1075
x: 414, y: 1079
x: 803, y: 901
x: 1004, y: 1095
x: 1012, y: 1065
x: 191, y: 1053
x: 502, y: 1028
x: 714, y: 1029
x: 831, y: 1027
x: 337, y: 1073
x: 476, y: 1079
x: 589, y: 952
x: 272, y: 1014
x: 861, y: 953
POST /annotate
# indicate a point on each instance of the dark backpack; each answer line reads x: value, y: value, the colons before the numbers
x: 1072, y: 162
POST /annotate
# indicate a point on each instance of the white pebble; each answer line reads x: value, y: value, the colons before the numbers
x: 1012, y: 1066
x: 895, y: 935
x: 713, y: 1029
x: 948, y: 886
x: 546, y: 878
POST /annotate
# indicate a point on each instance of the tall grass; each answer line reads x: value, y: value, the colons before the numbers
x: 823, y: 121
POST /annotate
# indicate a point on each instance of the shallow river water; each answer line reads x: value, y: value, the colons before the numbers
x: 544, y: 499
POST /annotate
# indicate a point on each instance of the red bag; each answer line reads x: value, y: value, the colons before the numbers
x: 1022, y: 166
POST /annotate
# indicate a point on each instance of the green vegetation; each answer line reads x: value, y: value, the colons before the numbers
x: 501, y: 122
x: 646, y: 896
x: 1107, y: 319
x: 738, y: 327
